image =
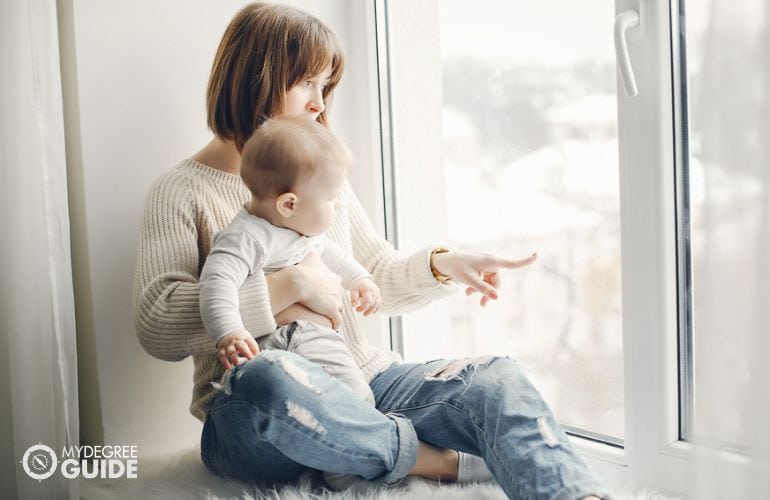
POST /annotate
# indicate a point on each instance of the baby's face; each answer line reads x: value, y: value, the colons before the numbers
x: 317, y: 201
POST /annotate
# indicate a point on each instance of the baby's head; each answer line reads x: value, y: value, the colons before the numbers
x: 296, y: 167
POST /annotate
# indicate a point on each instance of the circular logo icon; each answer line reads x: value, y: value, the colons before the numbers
x: 39, y: 462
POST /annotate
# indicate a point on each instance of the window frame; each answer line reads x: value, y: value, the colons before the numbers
x: 647, y: 149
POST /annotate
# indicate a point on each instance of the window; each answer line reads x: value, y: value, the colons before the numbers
x: 506, y: 134
x: 505, y: 141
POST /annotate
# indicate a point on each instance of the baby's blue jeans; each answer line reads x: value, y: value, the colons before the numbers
x: 283, y: 414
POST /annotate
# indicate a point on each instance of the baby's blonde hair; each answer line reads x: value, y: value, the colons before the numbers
x: 284, y: 151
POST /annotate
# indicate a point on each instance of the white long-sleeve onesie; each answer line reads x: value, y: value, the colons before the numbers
x: 252, y: 245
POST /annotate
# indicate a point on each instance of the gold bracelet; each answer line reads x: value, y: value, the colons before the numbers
x: 441, y: 278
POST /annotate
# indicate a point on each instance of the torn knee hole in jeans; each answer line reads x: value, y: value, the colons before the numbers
x: 304, y: 417
x: 453, y: 370
x: 298, y: 374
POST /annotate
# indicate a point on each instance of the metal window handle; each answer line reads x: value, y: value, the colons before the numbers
x: 623, y: 22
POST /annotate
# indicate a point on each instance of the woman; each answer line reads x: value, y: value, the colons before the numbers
x: 277, y: 414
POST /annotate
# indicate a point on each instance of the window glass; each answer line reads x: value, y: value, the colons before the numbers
x: 527, y: 126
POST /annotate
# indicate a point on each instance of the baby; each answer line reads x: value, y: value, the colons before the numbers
x: 295, y: 170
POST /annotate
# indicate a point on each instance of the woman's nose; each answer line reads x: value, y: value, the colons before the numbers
x: 315, y: 107
x: 316, y: 104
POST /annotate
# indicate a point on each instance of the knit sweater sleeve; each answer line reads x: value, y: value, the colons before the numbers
x: 166, y: 293
x: 405, y: 281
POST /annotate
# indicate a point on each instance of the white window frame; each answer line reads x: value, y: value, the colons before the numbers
x: 654, y: 453
x: 651, y: 147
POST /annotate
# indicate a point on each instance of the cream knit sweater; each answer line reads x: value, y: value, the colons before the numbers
x: 185, y: 208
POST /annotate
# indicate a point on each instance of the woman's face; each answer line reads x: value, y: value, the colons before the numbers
x: 305, y: 99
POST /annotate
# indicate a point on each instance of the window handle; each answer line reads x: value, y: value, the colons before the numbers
x: 623, y: 22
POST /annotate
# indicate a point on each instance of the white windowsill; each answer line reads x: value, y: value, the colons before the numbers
x: 599, y: 451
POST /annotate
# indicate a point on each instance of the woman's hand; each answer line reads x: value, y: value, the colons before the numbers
x: 298, y: 312
x: 479, y: 271
x: 320, y: 289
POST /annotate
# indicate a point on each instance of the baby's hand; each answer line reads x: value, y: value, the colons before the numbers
x: 365, y: 296
x: 234, y: 343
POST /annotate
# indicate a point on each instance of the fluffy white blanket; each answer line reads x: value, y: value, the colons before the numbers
x: 183, y: 476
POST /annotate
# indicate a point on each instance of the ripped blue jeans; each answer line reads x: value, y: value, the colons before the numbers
x: 284, y: 414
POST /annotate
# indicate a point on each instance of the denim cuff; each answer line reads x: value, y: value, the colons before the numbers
x: 407, y: 449
x: 581, y: 490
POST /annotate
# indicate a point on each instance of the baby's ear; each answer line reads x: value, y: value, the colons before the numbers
x: 285, y: 204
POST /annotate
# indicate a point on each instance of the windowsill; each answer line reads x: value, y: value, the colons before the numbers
x: 688, y: 451
x: 599, y: 451
x: 609, y: 463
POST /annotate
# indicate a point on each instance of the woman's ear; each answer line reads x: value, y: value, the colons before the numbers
x: 285, y: 204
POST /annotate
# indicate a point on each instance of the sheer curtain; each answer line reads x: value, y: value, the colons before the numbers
x: 723, y: 469
x: 730, y: 186
x: 38, y: 361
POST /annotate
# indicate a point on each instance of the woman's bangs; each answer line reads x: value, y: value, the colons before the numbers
x: 319, y: 50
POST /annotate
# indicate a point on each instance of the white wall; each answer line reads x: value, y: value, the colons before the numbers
x: 417, y: 100
x: 135, y: 75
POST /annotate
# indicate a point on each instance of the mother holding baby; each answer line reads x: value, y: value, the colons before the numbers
x: 281, y: 414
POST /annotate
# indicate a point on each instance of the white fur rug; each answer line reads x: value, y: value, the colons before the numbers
x: 183, y: 476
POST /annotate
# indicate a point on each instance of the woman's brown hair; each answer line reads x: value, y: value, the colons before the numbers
x: 266, y: 50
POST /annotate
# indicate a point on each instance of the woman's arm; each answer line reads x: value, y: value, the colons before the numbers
x: 406, y: 282
x: 166, y: 292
